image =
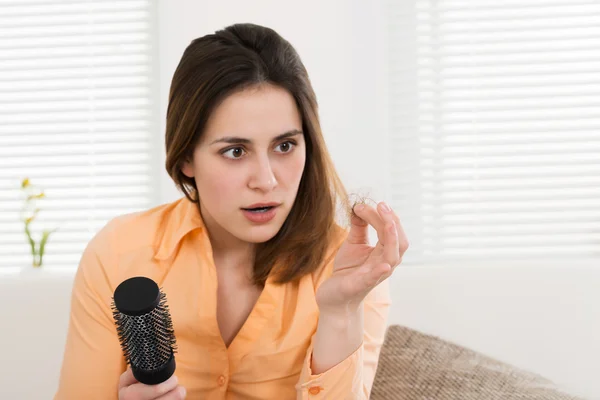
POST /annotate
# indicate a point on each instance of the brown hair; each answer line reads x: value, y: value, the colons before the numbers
x: 232, y: 59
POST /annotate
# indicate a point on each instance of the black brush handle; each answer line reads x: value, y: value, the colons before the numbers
x: 154, y: 377
x: 145, y: 329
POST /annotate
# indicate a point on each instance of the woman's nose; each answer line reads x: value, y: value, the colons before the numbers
x: 263, y: 177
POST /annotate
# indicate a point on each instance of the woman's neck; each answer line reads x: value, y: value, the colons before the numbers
x: 229, y: 251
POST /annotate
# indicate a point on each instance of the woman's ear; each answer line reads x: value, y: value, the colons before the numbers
x: 188, y: 169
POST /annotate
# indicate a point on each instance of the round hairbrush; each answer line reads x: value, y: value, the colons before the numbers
x: 145, y: 329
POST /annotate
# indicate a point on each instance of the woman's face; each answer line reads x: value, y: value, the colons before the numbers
x: 242, y: 159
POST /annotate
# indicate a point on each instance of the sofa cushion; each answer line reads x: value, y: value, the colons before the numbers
x: 417, y: 366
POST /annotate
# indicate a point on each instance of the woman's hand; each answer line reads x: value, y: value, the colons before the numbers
x: 359, y: 267
x: 131, y: 389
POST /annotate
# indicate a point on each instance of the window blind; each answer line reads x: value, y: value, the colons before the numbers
x: 496, y: 129
x: 76, y: 118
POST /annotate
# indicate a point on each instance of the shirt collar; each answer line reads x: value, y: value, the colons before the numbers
x: 183, y: 218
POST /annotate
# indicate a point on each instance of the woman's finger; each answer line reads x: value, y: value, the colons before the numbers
x: 380, y: 218
x: 391, y: 243
x: 391, y: 252
x: 402, y: 239
x: 176, y: 394
x: 388, y: 215
x: 359, y: 231
x: 151, y: 391
x: 127, y: 378
x: 370, y: 215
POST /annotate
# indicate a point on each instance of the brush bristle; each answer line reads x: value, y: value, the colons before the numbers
x: 148, y: 340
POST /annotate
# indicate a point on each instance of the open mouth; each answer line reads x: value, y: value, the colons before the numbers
x: 258, y: 209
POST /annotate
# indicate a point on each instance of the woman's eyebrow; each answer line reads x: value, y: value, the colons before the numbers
x: 233, y: 139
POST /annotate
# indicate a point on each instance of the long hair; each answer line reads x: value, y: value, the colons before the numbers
x: 241, y: 56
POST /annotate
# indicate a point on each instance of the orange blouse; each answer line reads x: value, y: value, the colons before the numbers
x: 268, y: 359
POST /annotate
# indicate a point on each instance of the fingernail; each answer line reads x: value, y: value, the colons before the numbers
x: 359, y: 207
x: 385, y: 207
x: 182, y: 391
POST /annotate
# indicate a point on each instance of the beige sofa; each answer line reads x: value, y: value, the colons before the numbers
x: 416, y: 366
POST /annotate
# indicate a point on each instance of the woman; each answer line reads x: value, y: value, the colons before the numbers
x: 270, y: 297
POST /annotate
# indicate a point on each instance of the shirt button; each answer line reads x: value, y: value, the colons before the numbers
x: 314, y: 390
x: 221, y: 380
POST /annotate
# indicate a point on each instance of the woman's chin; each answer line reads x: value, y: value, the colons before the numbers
x: 259, y: 233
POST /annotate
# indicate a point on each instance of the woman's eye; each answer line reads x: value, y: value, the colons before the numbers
x: 287, y: 146
x: 236, y: 152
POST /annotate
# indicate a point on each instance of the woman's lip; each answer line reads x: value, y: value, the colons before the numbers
x: 260, y: 217
x: 255, y: 207
x: 261, y: 205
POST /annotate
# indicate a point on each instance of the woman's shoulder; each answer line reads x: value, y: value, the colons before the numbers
x: 126, y: 232
x: 126, y: 245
